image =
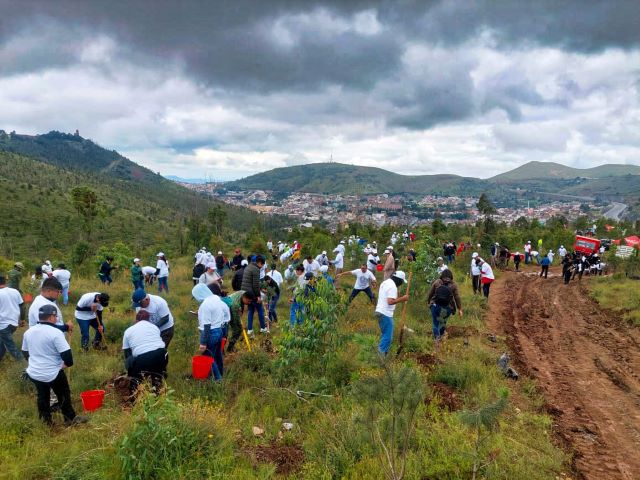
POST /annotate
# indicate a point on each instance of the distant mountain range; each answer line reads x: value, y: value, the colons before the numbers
x: 547, y: 177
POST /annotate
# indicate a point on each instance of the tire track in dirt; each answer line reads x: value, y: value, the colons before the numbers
x: 586, y: 363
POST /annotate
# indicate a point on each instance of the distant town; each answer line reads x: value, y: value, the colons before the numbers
x: 380, y: 209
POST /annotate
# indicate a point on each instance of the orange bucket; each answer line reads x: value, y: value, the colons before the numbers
x: 27, y: 297
x: 92, y: 399
x: 201, y: 367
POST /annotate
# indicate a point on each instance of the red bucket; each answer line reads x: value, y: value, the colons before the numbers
x: 201, y: 366
x: 92, y: 399
x: 379, y: 267
x: 223, y: 343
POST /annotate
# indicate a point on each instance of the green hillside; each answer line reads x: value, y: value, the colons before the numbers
x: 551, y: 170
x: 350, y: 179
x: 135, y: 205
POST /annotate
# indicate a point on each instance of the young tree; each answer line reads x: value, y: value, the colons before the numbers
x: 487, y: 209
x: 85, y: 201
x: 218, y: 219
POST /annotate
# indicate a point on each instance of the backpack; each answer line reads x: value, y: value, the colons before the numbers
x: 443, y: 295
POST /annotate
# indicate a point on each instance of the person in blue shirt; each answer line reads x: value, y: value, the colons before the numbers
x: 544, y: 264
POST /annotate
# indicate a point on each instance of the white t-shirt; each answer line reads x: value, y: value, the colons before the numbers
x: 341, y: 249
x: 85, y: 301
x: 63, y: 276
x: 269, y: 245
x: 158, y: 308
x: 339, y: 260
x: 527, y: 248
x: 213, y: 311
x: 475, y: 270
x: 44, y: 343
x: 209, y: 278
x: 387, y: 290
x: 142, y: 337
x: 311, y: 267
x: 163, y: 267
x: 148, y: 270
x: 372, y: 261
x: 277, y: 276
x: 38, y: 302
x: 363, y: 280
x: 487, y: 271
x: 46, y: 268
x: 10, y: 301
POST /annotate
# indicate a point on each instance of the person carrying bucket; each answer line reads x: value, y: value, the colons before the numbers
x: 145, y: 356
x: 48, y: 354
x: 213, y: 314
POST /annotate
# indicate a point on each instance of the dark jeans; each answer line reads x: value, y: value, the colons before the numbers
x: 7, y: 343
x: 567, y: 275
x: 475, y: 282
x: 138, y: 284
x: 517, y: 264
x: 60, y: 387
x: 214, y: 349
x: 84, y: 332
x: 163, y: 283
x: 252, y: 307
x: 544, y: 271
x: 105, y: 278
x: 485, y: 289
x: 151, y: 365
x: 166, y: 336
x: 439, y: 316
x: 367, y: 290
x: 273, y: 313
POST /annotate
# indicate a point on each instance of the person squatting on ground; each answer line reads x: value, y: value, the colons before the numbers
x: 12, y: 315
x: 48, y: 354
x: 145, y: 356
x: 251, y: 283
x: 159, y: 313
x: 365, y: 279
x: 443, y: 300
x: 213, y: 315
x: 89, y: 314
x: 387, y: 300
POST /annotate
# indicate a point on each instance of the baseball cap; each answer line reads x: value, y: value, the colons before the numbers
x: 387, y: 251
x: 342, y: 242
x: 136, y: 260
x: 401, y: 275
x: 474, y: 254
x: 47, y: 310
x: 160, y: 254
x: 219, y: 252
x: 137, y: 297
x: 244, y: 263
x: 19, y: 265
x: 324, y: 252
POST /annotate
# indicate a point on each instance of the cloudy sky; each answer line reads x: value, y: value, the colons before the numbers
x: 225, y: 89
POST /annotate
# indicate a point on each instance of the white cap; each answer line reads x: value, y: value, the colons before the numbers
x: 400, y: 274
x: 561, y: 246
x: 439, y: 258
x: 48, y: 262
x: 324, y: 252
x: 389, y: 247
x: 136, y: 260
x: 244, y: 263
x: 342, y: 241
x: 219, y: 253
x: 324, y: 269
x: 161, y: 254
x: 474, y: 254
x: 387, y: 251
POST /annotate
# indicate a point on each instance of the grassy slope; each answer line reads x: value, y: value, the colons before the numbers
x: 334, y: 442
x: 559, y: 171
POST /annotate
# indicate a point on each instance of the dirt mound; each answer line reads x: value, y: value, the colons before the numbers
x: 586, y: 363
x: 287, y: 459
x: 453, y: 331
x: 426, y: 360
x: 446, y: 396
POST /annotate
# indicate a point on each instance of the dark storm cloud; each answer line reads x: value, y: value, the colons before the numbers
x: 230, y: 43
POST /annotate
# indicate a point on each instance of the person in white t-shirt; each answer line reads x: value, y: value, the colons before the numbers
x: 145, y: 355
x: 47, y: 268
x: 387, y: 300
x: 89, y: 315
x: 323, y: 259
x: 213, y: 315
x: 162, y: 272
x: 49, y: 293
x: 338, y: 262
x: 475, y: 274
x: 364, y: 281
x: 275, y: 274
x: 210, y: 275
x: 12, y: 314
x: 48, y: 354
x: 149, y: 273
x: 64, y: 277
x: 311, y: 266
x: 373, y: 260
x: 441, y: 266
x: 159, y: 313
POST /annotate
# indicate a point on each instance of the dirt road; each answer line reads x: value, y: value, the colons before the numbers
x: 586, y: 362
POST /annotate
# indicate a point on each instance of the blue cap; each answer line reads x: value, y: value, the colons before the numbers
x: 137, y: 297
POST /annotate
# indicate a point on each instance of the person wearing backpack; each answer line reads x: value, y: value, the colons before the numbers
x: 443, y: 300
